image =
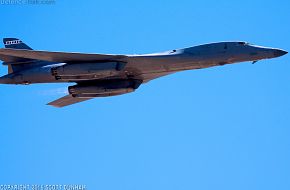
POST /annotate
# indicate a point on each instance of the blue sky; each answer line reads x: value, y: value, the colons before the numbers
x: 218, y: 128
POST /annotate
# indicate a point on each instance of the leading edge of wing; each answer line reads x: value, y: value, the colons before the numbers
x: 7, y: 54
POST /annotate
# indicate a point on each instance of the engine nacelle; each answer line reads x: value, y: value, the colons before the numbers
x: 105, y: 94
x: 104, y: 88
x: 79, y: 69
x: 97, y: 90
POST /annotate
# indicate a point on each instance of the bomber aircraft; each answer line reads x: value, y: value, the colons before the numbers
x: 102, y: 75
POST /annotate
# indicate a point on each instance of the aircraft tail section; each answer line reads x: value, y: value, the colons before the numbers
x: 14, y: 43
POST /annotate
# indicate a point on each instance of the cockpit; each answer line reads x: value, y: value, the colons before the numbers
x: 243, y: 43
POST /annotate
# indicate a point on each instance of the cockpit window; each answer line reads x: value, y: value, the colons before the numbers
x: 243, y: 43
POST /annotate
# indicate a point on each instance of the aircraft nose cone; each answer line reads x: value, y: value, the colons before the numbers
x: 278, y: 53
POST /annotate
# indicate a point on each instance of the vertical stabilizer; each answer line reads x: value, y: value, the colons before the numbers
x: 15, y: 43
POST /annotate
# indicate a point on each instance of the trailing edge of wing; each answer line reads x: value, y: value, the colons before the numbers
x: 66, y: 101
x: 12, y: 55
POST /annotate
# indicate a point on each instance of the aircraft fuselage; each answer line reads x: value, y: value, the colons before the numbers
x: 102, y: 75
x: 139, y: 66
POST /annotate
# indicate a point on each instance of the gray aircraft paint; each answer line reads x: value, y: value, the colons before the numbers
x: 99, y: 75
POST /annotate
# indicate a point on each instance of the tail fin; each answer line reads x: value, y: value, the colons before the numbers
x: 15, y: 43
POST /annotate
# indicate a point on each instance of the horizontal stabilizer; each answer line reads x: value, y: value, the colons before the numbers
x: 10, y: 55
x: 67, y: 100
